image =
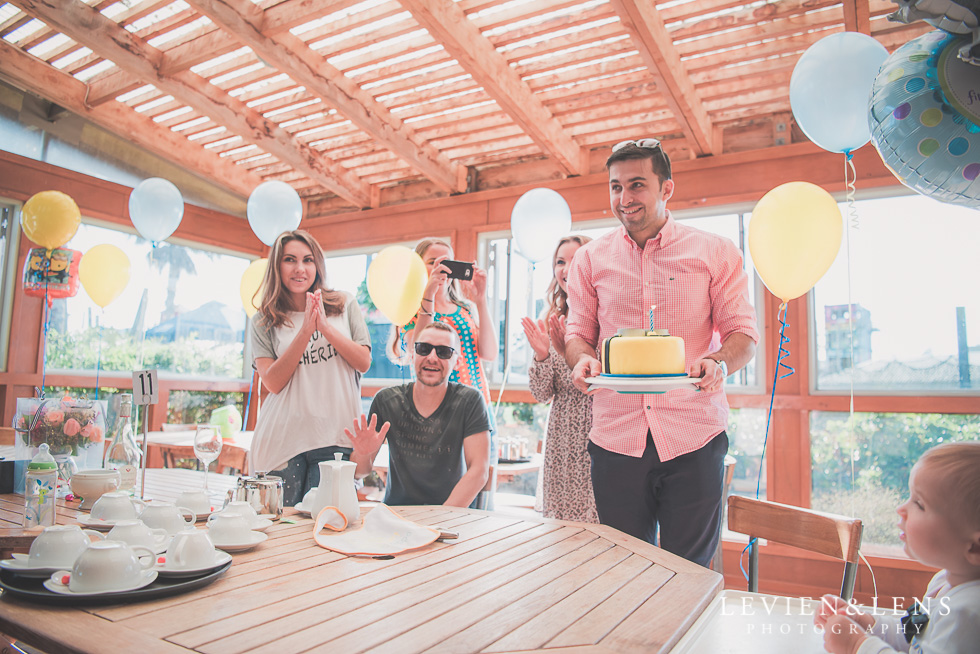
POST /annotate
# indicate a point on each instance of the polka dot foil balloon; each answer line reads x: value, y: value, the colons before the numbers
x: 925, y: 108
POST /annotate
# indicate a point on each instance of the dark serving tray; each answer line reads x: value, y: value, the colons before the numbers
x: 33, y: 590
x: 526, y: 459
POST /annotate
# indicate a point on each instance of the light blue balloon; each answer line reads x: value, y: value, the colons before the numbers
x: 830, y: 86
x: 156, y: 208
x: 538, y: 221
x: 922, y: 132
x: 273, y: 208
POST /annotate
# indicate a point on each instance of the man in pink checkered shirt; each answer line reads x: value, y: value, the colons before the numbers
x: 658, y: 459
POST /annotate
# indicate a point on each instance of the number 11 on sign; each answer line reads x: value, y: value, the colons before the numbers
x: 145, y: 387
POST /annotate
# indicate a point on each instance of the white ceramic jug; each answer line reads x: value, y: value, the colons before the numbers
x: 337, y: 488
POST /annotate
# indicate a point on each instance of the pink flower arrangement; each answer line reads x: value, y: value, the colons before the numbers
x: 67, y: 425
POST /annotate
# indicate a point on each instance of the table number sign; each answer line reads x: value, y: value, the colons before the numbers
x: 145, y: 389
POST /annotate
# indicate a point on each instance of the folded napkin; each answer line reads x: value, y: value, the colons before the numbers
x: 382, y: 532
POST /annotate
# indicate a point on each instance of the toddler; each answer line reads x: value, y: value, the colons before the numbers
x: 940, y: 527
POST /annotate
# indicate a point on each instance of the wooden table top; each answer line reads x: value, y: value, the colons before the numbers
x: 507, y: 584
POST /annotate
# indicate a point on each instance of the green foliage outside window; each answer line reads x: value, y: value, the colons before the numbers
x: 863, y: 470
x: 121, y: 352
x: 195, y: 407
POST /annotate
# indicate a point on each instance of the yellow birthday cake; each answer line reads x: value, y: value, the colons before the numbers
x: 643, y: 352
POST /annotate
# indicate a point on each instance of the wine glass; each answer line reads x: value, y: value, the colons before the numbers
x: 207, y: 447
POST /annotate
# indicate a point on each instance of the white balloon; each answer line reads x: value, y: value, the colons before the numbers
x: 539, y: 219
x: 156, y: 208
x: 273, y: 208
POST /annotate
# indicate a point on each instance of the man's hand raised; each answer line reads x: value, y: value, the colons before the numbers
x: 366, y: 438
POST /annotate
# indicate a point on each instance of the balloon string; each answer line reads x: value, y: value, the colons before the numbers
x: 850, y: 178
x: 852, y: 223
x: 98, y: 361
x: 783, y: 352
x: 44, y: 342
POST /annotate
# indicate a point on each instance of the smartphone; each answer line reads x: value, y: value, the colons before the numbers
x: 459, y: 269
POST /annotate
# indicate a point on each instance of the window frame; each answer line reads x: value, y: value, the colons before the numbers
x: 9, y: 275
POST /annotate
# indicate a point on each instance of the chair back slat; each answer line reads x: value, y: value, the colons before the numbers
x: 825, y: 533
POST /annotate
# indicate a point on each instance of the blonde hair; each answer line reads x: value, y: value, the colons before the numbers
x: 275, y: 303
x: 956, y: 469
x: 557, y: 298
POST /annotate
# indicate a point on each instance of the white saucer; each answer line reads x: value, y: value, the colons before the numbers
x: 302, y: 509
x: 642, y: 384
x: 54, y: 584
x: 220, y: 558
x: 253, y: 540
x: 261, y: 524
x: 97, y: 523
x: 22, y: 567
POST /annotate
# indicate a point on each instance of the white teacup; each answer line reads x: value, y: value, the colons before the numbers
x: 135, y: 533
x: 167, y: 516
x: 59, y: 546
x: 109, y: 565
x: 196, y: 500
x: 229, y: 529
x: 90, y: 485
x: 242, y: 508
x: 190, y: 549
x: 117, y: 505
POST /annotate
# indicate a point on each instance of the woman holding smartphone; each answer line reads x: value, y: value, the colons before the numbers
x: 443, y: 301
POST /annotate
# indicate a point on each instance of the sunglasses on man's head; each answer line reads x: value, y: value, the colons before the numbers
x: 642, y: 143
x: 442, y: 351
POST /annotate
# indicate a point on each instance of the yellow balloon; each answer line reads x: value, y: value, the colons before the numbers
x: 50, y: 219
x: 251, y: 281
x: 794, y: 236
x: 395, y: 281
x: 104, y: 272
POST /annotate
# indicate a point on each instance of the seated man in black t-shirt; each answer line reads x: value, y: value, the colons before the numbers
x: 438, y: 432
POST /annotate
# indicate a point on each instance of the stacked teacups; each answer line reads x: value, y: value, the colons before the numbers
x: 196, y: 501
x: 110, y: 565
x: 167, y: 516
x: 59, y: 546
x: 230, y: 529
x: 90, y: 485
x: 117, y: 505
x: 245, y: 510
x: 136, y: 533
x: 191, y: 549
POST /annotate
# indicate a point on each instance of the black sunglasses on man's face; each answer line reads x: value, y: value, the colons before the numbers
x: 442, y: 351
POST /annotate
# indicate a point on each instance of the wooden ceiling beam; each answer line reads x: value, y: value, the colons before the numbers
x: 646, y: 28
x: 449, y: 26
x: 46, y: 81
x: 857, y: 16
x: 292, y: 56
x: 89, y: 27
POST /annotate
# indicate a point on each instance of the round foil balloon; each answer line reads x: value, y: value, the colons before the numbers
x: 540, y: 217
x: 921, y: 120
x: 156, y: 208
x: 273, y: 208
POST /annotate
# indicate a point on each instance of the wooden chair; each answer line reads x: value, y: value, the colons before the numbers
x: 825, y: 533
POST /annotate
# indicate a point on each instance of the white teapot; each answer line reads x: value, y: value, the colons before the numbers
x: 337, y: 488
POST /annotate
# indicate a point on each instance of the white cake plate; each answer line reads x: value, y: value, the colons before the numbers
x: 642, y: 385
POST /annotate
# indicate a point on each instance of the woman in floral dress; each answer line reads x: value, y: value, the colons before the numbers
x: 567, y: 481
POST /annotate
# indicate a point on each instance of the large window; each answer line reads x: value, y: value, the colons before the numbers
x: 180, y: 313
x: 517, y: 288
x: 914, y: 305
x: 861, y: 466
